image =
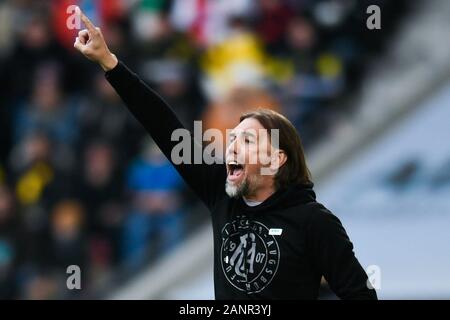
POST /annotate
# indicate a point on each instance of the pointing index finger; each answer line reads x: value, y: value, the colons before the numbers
x: 89, y: 25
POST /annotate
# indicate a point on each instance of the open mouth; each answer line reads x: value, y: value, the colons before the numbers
x: 235, y: 170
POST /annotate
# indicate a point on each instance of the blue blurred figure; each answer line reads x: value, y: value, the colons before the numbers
x: 154, y: 223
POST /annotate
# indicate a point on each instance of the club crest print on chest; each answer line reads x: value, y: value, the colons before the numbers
x: 249, y: 255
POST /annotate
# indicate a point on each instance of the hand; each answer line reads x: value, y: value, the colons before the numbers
x: 92, y: 45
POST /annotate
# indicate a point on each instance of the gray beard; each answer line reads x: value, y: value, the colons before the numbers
x: 236, y: 191
x: 244, y: 189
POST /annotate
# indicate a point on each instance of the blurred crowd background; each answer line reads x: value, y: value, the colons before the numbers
x: 80, y: 181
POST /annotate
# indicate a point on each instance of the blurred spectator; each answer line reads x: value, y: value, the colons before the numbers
x: 67, y: 242
x: 207, y: 21
x: 168, y: 60
x: 155, y: 210
x: 35, y: 46
x: 318, y: 78
x: 318, y: 73
x: 239, y: 61
x: 40, y: 180
x: 147, y: 19
x: 63, y: 244
x: 100, y: 190
x: 39, y: 286
x: 32, y: 168
x: 6, y: 27
x: 272, y: 23
x: 9, y: 242
x: 103, y: 116
x: 47, y: 110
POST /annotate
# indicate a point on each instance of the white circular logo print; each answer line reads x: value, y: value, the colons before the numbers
x: 249, y: 255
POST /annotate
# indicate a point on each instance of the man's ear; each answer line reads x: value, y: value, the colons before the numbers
x: 278, y: 159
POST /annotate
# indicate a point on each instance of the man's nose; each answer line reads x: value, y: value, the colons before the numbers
x: 233, y: 148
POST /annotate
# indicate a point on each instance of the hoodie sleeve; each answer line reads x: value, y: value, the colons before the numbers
x: 333, y: 255
x: 159, y: 120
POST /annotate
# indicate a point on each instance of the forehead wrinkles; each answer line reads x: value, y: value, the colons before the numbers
x: 251, y: 132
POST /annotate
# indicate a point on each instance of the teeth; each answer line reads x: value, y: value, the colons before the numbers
x: 233, y: 163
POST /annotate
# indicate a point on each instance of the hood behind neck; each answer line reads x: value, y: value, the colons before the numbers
x: 284, y: 198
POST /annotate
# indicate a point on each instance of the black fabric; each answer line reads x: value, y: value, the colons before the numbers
x: 279, y: 249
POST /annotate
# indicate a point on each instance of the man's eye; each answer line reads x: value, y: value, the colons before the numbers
x: 247, y: 141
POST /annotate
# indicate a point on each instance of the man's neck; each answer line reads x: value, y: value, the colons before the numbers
x: 251, y: 203
x: 260, y: 195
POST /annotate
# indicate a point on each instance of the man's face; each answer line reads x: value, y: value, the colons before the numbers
x: 247, y: 154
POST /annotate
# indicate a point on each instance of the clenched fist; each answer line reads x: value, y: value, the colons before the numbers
x: 91, y: 44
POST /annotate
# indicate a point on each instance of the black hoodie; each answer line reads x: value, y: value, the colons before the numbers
x: 279, y: 249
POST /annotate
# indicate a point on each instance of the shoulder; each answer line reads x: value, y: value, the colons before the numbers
x: 321, y: 218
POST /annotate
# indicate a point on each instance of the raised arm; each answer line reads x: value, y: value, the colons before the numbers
x: 207, y: 181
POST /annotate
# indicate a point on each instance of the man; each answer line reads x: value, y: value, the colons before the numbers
x: 272, y: 240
